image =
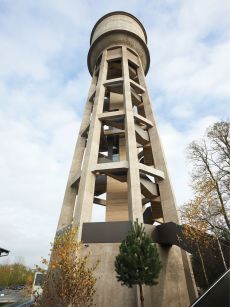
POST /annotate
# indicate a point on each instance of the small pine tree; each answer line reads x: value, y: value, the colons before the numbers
x: 138, y: 262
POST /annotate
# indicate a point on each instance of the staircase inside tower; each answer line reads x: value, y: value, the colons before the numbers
x: 111, y: 180
x: 111, y: 188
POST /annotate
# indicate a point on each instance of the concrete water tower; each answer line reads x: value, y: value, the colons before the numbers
x: 119, y: 163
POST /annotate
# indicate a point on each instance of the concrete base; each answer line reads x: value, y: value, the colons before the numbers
x: 171, y: 290
x: 109, y: 292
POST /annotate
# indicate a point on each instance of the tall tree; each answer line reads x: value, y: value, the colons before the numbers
x: 195, y: 226
x: 209, y: 210
x: 211, y: 172
x: 138, y: 262
x: 69, y: 280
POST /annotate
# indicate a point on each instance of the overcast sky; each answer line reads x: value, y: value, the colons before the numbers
x: 44, y: 83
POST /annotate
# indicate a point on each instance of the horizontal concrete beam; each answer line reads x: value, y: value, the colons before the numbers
x: 104, y: 160
x: 141, y: 135
x: 113, y: 131
x: 136, y: 99
x: 137, y: 87
x: 113, y: 81
x: 150, y: 170
x: 148, y: 188
x: 114, y: 85
x: 140, y: 119
x: 99, y: 201
x: 106, y: 167
x: 111, y: 115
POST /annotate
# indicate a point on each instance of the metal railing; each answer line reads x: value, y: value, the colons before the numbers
x: 217, y: 295
x: 27, y: 303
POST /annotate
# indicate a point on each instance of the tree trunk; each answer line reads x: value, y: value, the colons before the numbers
x: 218, y: 194
x: 222, y: 205
x: 217, y: 188
x: 141, y: 295
x: 202, y: 264
x: 221, y: 252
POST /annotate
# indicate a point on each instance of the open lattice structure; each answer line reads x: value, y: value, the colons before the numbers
x: 119, y: 162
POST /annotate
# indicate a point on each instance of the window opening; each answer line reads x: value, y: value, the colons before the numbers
x: 133, y: 72
x: 114, y: 69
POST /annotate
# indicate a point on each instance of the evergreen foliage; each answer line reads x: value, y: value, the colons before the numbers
x: 138, y: 262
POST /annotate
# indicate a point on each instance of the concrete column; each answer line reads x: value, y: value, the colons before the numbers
x: 85, y: 196
x: 168, y: 201
x: 66, y: 216
x: 133, y: 177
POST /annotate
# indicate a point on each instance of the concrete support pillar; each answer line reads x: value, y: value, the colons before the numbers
x: 134, y: 191
x: 66, y: 215
x: 83, y: 210
x: 168, y: 202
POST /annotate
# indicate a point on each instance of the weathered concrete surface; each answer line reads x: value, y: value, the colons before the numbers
x: 109, y: 291
x: 122, y: 21
x: 66, y: 215
x: 118, y: 28
x: 170, y: 291
x: 85, y: 196
x: 118, y: 39
x: 133, y: 178
x: 117, y: 200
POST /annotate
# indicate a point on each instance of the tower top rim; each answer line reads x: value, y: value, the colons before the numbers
x: 117, y: 13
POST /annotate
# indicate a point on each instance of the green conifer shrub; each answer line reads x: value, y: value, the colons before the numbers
x: 138, y: 262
